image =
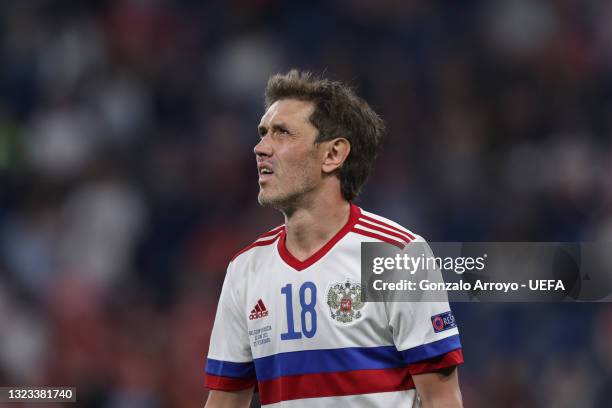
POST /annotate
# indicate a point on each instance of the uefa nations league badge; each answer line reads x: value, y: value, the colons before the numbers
x: 344, y: 301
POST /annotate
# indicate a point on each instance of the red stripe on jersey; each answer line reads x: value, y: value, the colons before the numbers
x: 260, y: 243
x: 273, y: 231
x: 257, y: 308
x: 384, y: 224
x: 379, y: 237
x: 388, y: 231
x: 261, y: 305
x: 450, y: 359
x: 334, y: 384
x: 215, y: 382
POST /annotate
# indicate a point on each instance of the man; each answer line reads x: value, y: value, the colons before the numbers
x: 280, y: 325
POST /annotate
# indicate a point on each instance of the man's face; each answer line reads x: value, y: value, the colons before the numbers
x: 288, y: 161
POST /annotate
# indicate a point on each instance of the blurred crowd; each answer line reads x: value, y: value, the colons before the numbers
x: 128, y: 179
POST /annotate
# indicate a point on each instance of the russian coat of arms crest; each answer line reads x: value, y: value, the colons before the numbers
x: 344, y: 301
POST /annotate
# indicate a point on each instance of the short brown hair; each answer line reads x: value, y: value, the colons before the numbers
x: 338, y: 113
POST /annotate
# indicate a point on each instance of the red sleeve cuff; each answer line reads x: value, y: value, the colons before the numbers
x: 218, y: 383
x: 450, y: 359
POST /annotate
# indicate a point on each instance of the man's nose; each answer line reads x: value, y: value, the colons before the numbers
x: 263, y: 148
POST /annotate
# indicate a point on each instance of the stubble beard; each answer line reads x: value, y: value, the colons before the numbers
x: 289, y: 201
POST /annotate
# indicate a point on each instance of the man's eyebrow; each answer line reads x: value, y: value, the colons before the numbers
x: 276, y: 126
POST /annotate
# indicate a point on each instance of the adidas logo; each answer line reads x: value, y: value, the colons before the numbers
x: 258, y: 311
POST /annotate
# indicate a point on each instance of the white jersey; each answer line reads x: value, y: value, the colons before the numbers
x: 299, y: 331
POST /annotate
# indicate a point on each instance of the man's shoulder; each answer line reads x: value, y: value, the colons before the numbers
x: 264, y: 240
x: 374, y: 226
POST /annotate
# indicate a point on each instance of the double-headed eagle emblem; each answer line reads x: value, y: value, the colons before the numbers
x: 344, y: 301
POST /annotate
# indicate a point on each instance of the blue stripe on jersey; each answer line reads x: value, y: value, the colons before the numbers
x: 430, y: 350
x: 348, y: 359
x: 229, y: 368
x: 328, y: 360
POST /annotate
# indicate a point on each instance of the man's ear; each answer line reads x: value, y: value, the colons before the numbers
x: 336, y: 152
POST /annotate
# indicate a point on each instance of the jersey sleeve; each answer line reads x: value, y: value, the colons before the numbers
x: 229, y: 366
x: 425, y: 331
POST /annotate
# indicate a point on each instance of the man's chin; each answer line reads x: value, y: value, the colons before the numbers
x: 266, y: 200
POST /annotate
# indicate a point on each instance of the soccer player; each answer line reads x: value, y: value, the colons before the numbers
x: 290, y: 321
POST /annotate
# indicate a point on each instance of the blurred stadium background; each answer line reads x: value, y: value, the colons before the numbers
x: 128, y: 180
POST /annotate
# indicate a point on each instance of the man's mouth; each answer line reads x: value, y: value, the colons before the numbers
x: 265, y: 172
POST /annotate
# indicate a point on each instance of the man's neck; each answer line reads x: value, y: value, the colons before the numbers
x: 310, y: 227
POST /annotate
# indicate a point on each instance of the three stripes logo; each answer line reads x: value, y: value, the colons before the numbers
x: 258, y: 311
